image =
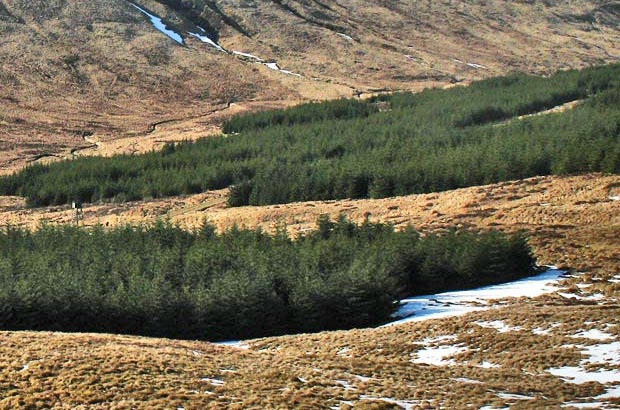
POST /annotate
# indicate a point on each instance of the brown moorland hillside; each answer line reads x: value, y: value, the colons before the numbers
x: 95, y: 78
x: 573, y: 221
x: 70, y: 69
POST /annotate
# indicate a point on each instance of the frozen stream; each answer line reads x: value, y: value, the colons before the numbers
x: 202, y: 35
x: 158, y: 23
x: 206, y: 39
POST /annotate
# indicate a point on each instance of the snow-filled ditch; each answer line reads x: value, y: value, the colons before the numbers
x: 269, y: 64
x: 593, y: 297
x: 449, y: 304
x: 274, y: 66
x: 248, y: 55
x: 202, y: 35
x: 158, y: 23
x: 237, y: 344
x: 405, y: 404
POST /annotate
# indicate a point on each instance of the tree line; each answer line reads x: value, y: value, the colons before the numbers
x: 160, y: 280
x: 431, y: 141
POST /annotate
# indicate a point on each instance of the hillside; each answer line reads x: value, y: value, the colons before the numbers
x: 357, y: 153
x: 499, y: 358
x: 72, y: 69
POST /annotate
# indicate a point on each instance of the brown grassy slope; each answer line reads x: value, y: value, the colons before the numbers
x: 499, y: 35
x: 69, y: 68
x: 571, y: 220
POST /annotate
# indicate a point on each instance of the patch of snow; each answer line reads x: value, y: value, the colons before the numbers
x: 593, y: 297
x: 247, y: 55
x: 214, y: 382
x: 205, y: 39
x: 577, y: 375
x: 159, y: 25
x: 345, y: 384
x: 604, y: 353
x: 583, y: 405
x: 584, y: 285
x: 301, y: 379
x: 612, y: 393
x: 466, y: 380
x: 543, y: 332
x: 593, y: 334
x: 344, y: 352
x: 598, y: 354
x: 363, y: 379
x: 438, y: 339
x: 237, y: 344
x: 437, y: 355
x: 615, y: 198
x: 498, y: 325
x: 512, y: 396
x: 473, y: 65
x: 457, y: 303
x: 488, y: 365
x: 346, y: 37
x: 25, y: 367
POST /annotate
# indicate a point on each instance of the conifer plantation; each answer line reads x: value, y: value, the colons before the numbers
x: 393, y: 145
x: 164, y: 281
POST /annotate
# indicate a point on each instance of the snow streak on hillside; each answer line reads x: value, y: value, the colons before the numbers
x: 158, y: 23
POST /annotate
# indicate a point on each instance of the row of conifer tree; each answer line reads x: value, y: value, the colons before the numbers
x: 161, y: 280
